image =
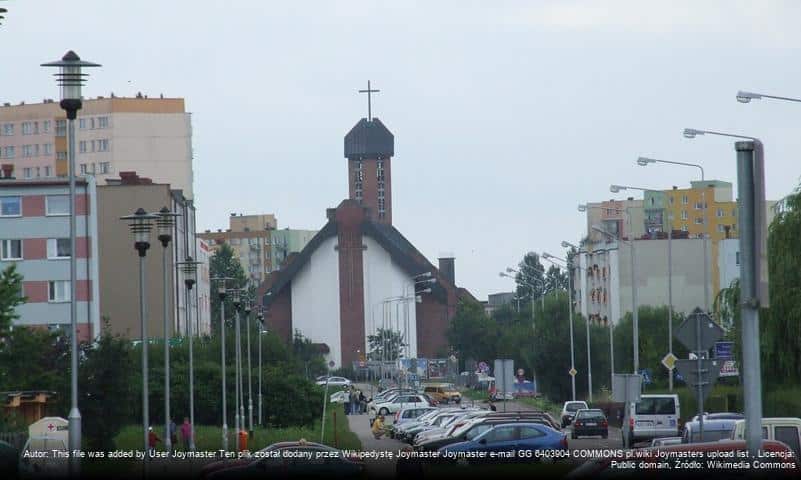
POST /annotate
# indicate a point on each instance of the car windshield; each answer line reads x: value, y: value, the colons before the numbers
x: 575, y: 406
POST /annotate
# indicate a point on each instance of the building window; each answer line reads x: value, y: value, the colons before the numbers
x: 10, y: 206
x: 105, y: 167
x: 83, y: 168
x: 684, y: 200
x: 61, y: 155
x: 59, y: 291
x: 61, y: 128
x: 102, y: 145
x: 58, y: 248
x: 82, y: 146
x: 47, y: 148
x: 38, y: 172
x: 26, y: 172
x: 733, y: 212
x: 721, y: 228
x: 27, y: 128
x: 684, y: 215
x: 684, y: 228
x: 27, y: 151
x: 734, y: 226
x: 92, y: 123
x: 46, y: 126
x: 699, y: 205
x: 48, y: 172
x: 102, y: 122
x: 10, y: 249
x: 737, y: 258
x: 8, y: 129
x: 9, y: 152
x: 57, y: 205
x: 699, y: 220
x: 670, y: 200
x: 82, y: 123
x: 93, y: 145
x: 36, y: 128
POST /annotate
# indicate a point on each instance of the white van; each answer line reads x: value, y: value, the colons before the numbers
x: 654, y: 416
x: 784, y: 429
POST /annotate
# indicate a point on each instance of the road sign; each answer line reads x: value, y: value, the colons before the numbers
x: 724, y: 350
x: 729, y: 369
x: 709, y: 369
x: 687, y: 331
x: 572, y: 372
x: 669, y: 361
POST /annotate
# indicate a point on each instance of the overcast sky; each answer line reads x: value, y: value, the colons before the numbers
x: 506, y: 114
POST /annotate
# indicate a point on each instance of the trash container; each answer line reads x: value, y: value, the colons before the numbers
x: 243, y: 440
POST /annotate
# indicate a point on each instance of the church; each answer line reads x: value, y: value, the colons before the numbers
x: 359, y: 273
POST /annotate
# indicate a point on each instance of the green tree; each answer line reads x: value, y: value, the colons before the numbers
x: 781, y: 325
x: 10, y: 297
x: 224, y: 263
x: 555, y: 279
x: 472, y: 333
x: 106, y: 389
x: 530, y: 277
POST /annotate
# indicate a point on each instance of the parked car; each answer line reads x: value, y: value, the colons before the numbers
x: 590, y: 422
x: 654, y: 416
x: 474, y: 427
x: 665, y: 441
x: 714, y: 430
x: 783, y: 429
x: 569, y: 410
x: 325, y: 462
x: 602, y: 467
x: 407, y: 415
x: 720, y: 416
x: 517, y: 436
x: 443, y: 392
x: 398, y: 402
x: 334, y: 382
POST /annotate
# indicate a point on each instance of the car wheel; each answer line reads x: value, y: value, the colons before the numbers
x: 384, y: 411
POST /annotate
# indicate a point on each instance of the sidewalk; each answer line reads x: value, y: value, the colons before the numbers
x: 376, y: 468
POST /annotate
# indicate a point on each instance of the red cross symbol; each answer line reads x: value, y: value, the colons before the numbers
x: 51, y: 427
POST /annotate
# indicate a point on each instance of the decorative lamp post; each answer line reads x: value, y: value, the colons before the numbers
x: 71, y: 78
x: 165, y: 224
x: 141, y: 224
x: 189, y: 269
x: 260, y: 325
x: 221, y: 293
x: 248, y: 310
x: 238, y: 411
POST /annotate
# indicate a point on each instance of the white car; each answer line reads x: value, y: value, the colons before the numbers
x: 569, y: 410
x: 398, y: 402
x: 335, y: 382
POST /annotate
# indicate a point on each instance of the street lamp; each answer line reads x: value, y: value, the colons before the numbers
x: 635, y: 316
x: 71, y: 78
x: 746, y: 97
x: 239, y: 410
x: 141, y: 224
x: 260, y: 318
x: 189, y: 268
x: 670, y: 261
x: 165, y: 224
x: 644, y: 161
x: 248, y: 310
x: 221, y: 293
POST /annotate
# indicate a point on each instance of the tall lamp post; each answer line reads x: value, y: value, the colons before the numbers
x: 248, y: 310
x: 221, y: 293
x: 71, y: 78
x: 645, y: 161
x: 141, y: 224
x: 260, y: 318
x: 189, y: 268
x: 635, y: 323
x: 165, y: 224
x: 239, y: 414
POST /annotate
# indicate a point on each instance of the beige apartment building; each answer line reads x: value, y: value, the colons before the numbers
x: 250, y: 238
x: 151, y: 136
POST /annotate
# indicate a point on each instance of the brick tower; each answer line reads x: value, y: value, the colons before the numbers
x: 369, y: 147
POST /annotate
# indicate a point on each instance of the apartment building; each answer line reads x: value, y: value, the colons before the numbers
x: 250, y: 238
x: 152, y: 136
x: 618, y: 217
x: 287, y: 241
x: 35, y: 235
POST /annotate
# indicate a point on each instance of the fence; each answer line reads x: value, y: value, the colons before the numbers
x: 16, y: 439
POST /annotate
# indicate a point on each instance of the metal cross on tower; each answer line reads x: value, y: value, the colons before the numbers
x: 369, y: 93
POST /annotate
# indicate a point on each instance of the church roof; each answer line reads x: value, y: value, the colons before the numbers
x: 370, y: 139
x: 401, y: 250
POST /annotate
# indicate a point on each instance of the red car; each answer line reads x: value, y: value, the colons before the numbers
x: 603, y: 468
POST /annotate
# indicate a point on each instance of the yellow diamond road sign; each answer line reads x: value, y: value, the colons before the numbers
x: 572, y: 372
x: 669, y: 361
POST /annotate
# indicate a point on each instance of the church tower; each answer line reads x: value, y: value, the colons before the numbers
x: 369, y: 147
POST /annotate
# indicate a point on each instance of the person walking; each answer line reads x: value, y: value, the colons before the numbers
x: 354, y: 402
x: 362, y: 403
x: 152, y: 440
x: 186, y: 433
x: 173, y: 433
x: 347, y: 400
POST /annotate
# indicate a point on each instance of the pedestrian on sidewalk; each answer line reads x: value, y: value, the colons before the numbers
x: 152, y: 440
x: 173, y: 433
x: 354, y: 402
x: 362, y: 403
x: 186, y: 433
x: 347, y: 400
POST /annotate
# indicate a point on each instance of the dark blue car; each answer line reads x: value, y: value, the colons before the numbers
x: 521, y: 438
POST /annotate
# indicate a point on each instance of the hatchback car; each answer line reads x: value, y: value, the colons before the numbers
x: 511, y: 437
x: 569, y: 410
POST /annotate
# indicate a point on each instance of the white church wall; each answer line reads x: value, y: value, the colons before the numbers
x: 315, y: 300
x: 383, y: 279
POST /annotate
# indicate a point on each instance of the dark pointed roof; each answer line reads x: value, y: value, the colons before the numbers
x: 370, y: 139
